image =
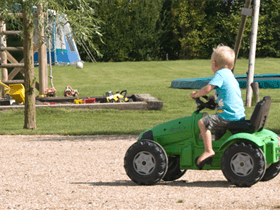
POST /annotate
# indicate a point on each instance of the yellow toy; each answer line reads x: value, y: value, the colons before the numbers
x: 78, y: 101
x: 17, y: 91
x: 118, y: 97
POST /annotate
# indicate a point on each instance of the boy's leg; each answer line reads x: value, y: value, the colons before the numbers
x: 207, y: 140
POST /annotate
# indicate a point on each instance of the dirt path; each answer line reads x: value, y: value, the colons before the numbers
x: 86, y: 172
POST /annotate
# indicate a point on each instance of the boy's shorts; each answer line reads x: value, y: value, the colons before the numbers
x: 215, y: 122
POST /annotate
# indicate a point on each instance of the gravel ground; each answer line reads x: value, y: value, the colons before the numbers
x: 86, y: 172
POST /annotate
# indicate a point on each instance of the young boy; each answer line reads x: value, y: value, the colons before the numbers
x: 230, y: 103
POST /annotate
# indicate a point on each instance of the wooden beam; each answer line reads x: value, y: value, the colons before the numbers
x: 240, y: 32
x: 9, y: 65
x: 11, y: 58
x: 11, y: 48
x: 15, y: 71
x: 11, y: 33
x: 13, y: 82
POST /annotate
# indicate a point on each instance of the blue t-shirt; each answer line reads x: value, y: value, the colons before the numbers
x: 230, y: 103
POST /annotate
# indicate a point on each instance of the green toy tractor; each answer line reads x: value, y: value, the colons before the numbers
x: 246, y: 152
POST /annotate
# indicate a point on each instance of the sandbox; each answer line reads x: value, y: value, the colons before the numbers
x: 140, y: 102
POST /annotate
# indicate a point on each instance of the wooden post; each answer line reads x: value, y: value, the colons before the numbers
x: 252, y: 55
x: 43, y: 73
x: 3, y: 43
x: 256, y: 96
x: 240, y: 32
x: 29, y: 79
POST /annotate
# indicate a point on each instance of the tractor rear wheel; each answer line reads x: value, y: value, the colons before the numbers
x: 243, y: 164
x: 174, y: 172
x: 145, y: 162
x: 272, y: 171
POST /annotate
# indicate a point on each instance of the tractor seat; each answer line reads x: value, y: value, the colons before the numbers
x: 257, y: 121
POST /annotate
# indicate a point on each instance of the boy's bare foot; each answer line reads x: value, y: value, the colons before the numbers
x: 204, y: 156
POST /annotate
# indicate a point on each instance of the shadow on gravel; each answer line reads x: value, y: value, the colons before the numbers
x: 86, y: 138
x: 180, y: 183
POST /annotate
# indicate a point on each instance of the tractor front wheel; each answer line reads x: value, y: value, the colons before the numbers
x: 243, y: 164
x: 174, y: 172
x: 145, y: 162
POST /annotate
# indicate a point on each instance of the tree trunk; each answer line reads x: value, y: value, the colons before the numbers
x: 29, y: 79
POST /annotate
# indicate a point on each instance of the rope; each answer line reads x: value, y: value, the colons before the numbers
x: 88, y: 51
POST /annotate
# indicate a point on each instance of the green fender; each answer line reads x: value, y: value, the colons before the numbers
x: 244, y: 136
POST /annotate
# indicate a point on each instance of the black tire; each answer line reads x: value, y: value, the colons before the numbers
x: 145, y: 162
x: 174, y: 172
x: 67, y: 93
x: 243, y: 165
x: 272, y: 171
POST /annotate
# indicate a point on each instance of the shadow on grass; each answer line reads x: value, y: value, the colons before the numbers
x: 179, y: 183
x: 276, y: 131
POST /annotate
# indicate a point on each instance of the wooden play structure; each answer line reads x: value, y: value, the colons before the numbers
x: 5, y: 55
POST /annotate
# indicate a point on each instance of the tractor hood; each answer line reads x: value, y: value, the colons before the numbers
x: 174, y: 130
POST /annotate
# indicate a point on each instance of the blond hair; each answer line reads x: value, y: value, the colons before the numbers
x: 224, y: 56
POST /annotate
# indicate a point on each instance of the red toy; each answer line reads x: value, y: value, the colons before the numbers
x: 70, y: 92
x: 51, y: 92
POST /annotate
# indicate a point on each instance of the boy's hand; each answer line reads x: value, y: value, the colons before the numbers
x: 193, y: 94
x: 203, y: 91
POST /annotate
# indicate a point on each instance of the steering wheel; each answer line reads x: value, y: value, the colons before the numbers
x: 210, y: 104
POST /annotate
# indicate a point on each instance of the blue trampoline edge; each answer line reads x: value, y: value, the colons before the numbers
x: 265, y: 81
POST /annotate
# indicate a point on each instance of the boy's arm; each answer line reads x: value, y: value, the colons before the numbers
x: 203, y: 91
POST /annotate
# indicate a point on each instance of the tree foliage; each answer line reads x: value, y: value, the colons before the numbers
x: 132, y: 29
x: 183, y: 29
x: 209, y: 23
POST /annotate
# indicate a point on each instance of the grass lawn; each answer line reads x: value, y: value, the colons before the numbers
x: 152, y: 78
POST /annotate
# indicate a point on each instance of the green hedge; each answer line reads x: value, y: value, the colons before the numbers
x: 131, y: 30
x: 136, y: 30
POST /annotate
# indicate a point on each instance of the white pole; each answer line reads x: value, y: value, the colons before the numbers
x: 252, y: 54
